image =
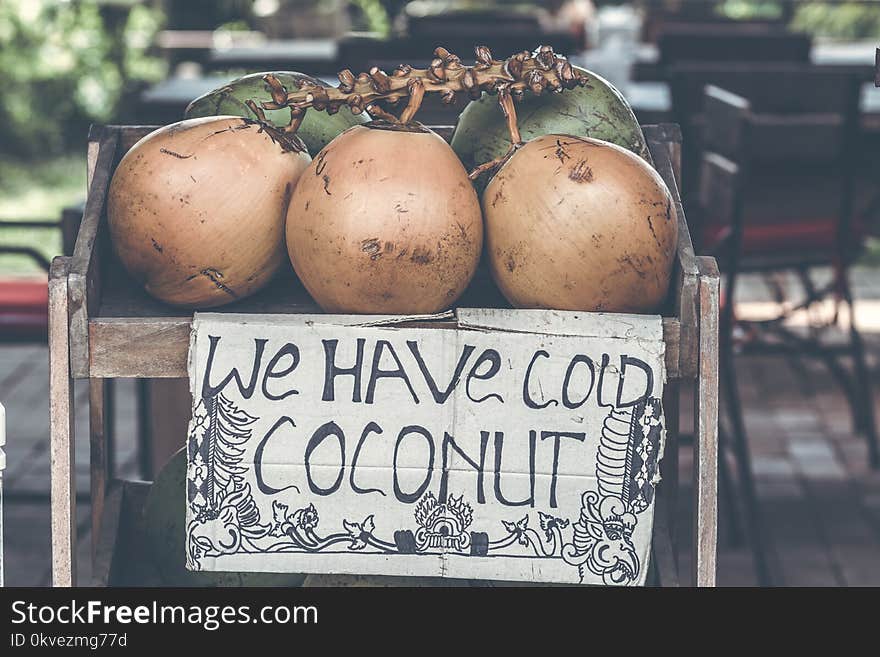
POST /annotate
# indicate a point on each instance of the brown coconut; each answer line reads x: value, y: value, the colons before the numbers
x: 580, y: 224
x: 385, y: 220
x: 196, y: 209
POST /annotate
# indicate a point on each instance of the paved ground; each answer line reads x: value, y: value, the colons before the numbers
x: 820, y: 501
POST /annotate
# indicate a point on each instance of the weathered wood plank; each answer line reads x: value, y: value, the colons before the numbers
x: 661, y: 141
x: 84, y: 279
x: 96, y: 133
x: 706, y: 429
x: 158, y: 348
x: 61, y: 430
x: 105, y: 541
x: 2, y: 468
x: 98, y: 426
x: 141, y: 348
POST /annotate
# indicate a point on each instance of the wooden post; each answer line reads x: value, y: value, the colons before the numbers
x: 877, y: 68
x: 61, y: 430
x: 98, y: 428
x: 706, y: 428
x: 2, y: 467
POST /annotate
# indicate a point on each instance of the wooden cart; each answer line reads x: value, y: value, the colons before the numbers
x: 103, y: 326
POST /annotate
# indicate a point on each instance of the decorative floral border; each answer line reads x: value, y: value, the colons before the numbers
x: 224, y: 518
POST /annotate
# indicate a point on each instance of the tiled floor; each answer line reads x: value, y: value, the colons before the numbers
x: 820, y: 501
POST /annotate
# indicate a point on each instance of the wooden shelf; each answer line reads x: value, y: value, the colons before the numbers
x: 103, y: 325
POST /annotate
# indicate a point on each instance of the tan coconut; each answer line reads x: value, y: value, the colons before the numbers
x: 385, y: 220
x: 196, y: 209
x: 580, y: 224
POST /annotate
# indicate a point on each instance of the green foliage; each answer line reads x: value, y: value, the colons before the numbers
x: 37, y: 190
x: 846, y: 20
x: 749, y: 9
x: 64, y: 65
x: 838, y: 20
x: 374, y: 16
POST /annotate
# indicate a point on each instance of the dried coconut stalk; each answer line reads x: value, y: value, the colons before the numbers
x: 538, y: 72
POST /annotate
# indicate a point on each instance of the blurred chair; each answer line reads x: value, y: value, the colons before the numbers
x: 652, y: 31
x: 719, y: 203
x: 786, y: 89
x: 793, y: 212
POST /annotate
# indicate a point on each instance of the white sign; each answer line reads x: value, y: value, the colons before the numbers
x: 509, y: 445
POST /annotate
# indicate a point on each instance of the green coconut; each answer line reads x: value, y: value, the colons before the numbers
x: 317, y: 129
x: 165, y: 529
x: 597, y: 110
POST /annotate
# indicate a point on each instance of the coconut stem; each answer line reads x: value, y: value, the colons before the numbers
x: 296, y: 116
x: 378, y: 113
x: 416, y: 94
x: 537, y: 72
x: 296, y: 119
x: 476, y: 172
x: 509, y: 108
x: 257, y: 110
x: 286, y: 135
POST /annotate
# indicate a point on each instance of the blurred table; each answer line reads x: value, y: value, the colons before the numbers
x: 316, y: 56
x: 652, y: 103
x: 856, y: 55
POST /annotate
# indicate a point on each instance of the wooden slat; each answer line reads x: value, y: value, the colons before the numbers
x: 706, y: 429
x: 63, y: 488
x: 106, y: 540
x: 96, y: 133
x: 141, y: 348
x: 83, y: 279
x: 98, y: 426
x: 672, y: 338
x: 2, y: 468
x: 661, y: 140
x: 130, y: 347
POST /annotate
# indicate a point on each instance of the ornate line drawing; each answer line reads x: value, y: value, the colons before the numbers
x: 627, y: 471
x: 225, y: 518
